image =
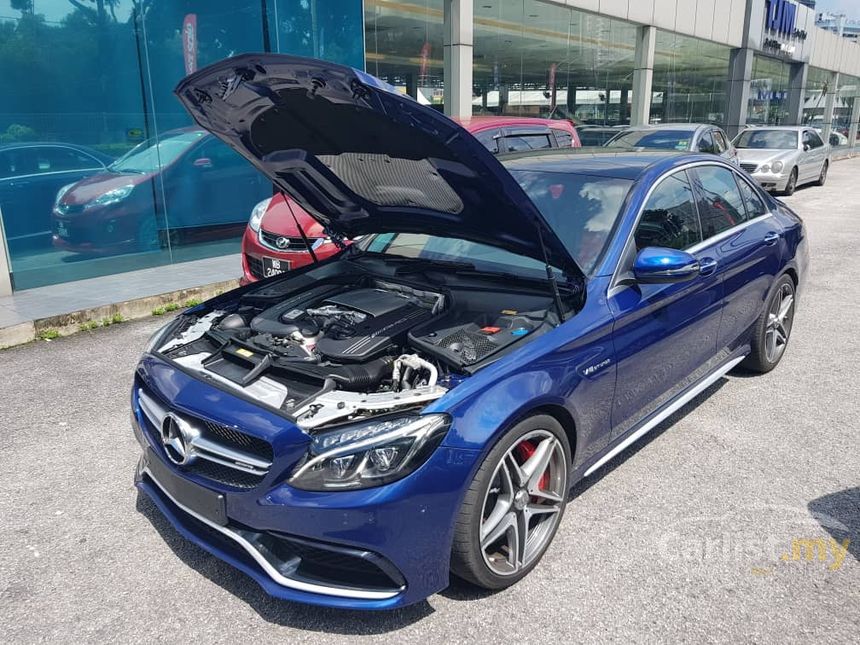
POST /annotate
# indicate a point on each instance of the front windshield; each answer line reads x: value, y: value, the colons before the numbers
x: 767, y: 139
x: 155, y: 153
x: 653, y: 139
x: 581, y: 209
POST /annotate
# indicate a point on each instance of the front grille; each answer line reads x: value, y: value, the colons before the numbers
x: 232, y: 437
x: 255, y: 266
x: 749, y: 167
x: 223, y: 474
x: 293, y: 243
x: 221, y: 453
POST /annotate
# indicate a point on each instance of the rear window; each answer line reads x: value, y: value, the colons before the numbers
x: 581, y: 209
x: 767, y: 139
x: 523, y: 142
x: 656, y: 139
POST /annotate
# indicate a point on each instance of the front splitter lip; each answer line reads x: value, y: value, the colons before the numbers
x: 256, y: 565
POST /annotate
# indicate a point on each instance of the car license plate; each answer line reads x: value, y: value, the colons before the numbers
x: 274, y: 266
x: 206, y: 503
x: 62, y: 230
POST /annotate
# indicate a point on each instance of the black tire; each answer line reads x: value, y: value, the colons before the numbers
x: 822, y: 178
x: 791, y: 186
x: 758, y: 359
x: 467, y: 560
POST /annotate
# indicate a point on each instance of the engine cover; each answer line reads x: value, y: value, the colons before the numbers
x: 374, y: 335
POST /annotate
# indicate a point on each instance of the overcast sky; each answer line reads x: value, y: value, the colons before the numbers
x: 848, y: 7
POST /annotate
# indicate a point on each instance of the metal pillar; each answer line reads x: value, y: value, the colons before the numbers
x: 829, y: 104
x: 855, y: 118
x: 738, y: 89
x: 457, y: 49
x: 643, y: 75
x: 797, y: 93
x: 5, y: 278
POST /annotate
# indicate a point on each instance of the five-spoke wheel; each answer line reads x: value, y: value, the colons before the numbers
x: 514, y: 505
x: 773, y: 328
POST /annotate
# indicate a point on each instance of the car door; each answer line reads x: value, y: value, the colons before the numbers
x: 664, y: 334
x: 819, y: 151
x: 809, y: 165
x: 744, y: 240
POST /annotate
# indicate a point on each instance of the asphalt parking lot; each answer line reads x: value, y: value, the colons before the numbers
x: 699, y: 533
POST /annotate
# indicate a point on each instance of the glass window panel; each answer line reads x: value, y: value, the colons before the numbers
x: 542, y: 60
x: 754, y: 204
x: 689, y: 80
x: 769, y: 88
x: 721, y: 205
x: 669, y: 218
x: 404, y: 46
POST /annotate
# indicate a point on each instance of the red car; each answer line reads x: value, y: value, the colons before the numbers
x: 273, y: 244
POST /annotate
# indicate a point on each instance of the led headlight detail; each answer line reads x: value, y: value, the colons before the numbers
x: 111, y: 197
x: 363, y: 455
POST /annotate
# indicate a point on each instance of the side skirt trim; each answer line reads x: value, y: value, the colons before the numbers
x: 666, y: 412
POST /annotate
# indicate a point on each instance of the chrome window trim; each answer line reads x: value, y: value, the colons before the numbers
x: 615, y: 287
x: 100, y: 165
x: 269, y: 568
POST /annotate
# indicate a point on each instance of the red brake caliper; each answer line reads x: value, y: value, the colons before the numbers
x: 525, y: 450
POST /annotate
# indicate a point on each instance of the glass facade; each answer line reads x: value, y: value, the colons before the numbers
x: 769, y: 89
x: 541, y: 60
x: 847, y: 92
x: 404, y: 46
x: 689, y: 80
x: 92, y: 117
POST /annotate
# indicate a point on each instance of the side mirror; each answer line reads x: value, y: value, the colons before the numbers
x: 806, y: 147
x: 203, y: 162
x: 658, y: 265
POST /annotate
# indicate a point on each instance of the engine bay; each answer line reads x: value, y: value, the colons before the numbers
x: 349, y: 347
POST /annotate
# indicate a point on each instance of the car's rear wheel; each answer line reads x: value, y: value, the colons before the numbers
x: 791, y: 185
x: 822, y: 178
x: 514, y: 505
x: 773, y: 328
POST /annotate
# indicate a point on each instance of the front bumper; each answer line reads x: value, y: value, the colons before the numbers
x: 397, y: 537
x: 771, y: 181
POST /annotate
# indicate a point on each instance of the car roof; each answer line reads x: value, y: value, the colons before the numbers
x: 786, y: 128
x: 476, y: 123
x: 686, y: 127
x: 594, y: 161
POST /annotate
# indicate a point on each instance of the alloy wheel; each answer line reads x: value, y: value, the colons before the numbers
x: 523, y: 503
x: 792, y: 182
x: 779, y: 322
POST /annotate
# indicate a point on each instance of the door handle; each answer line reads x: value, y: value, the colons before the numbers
x: 707, y: 266
x: 771, y: 238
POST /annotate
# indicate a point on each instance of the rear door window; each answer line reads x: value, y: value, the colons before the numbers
x: 706, y: 143
x: 754, y: 204
x: 669, y: 218
x: 720, y: 203
x: 563, y: 138
x: 523, y: 142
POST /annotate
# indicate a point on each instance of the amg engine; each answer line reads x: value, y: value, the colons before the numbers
x: 332, y: 352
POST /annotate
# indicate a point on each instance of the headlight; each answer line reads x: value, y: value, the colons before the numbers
x: 257, y: 214
x: 777, y: 166
x: 372, y: 453
x: 62, y: 192
x: 764, y: 168
x: 112, y: 196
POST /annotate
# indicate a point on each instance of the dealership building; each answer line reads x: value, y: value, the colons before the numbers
x: 89, y: 81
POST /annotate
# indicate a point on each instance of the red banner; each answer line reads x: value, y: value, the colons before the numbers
x: 189, y: 42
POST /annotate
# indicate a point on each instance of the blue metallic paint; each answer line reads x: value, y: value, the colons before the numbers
x: 601, y: 373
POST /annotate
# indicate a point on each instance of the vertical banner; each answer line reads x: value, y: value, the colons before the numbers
x: 189, y: 42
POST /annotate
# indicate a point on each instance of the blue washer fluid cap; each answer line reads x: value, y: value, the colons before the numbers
x: 520, y: 331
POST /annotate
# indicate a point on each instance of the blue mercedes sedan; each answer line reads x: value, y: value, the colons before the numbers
x: 419, y: 405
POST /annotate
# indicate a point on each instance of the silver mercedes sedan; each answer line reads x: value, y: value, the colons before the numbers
x: 783, y: 158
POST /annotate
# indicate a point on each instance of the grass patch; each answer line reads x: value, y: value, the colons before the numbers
x: 192, y: 303
x: 48, y: 334
x: 117, y: 318
x: 89, y: 325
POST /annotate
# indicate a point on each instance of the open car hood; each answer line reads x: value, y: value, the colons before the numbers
x: 362, y: 158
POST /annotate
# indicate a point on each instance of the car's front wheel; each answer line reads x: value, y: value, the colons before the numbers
x: 773, y: 328
x: 791, y: 184
x: 822, y: 178
x: 514, y: 505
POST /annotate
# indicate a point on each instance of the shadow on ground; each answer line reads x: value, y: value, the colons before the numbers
x: 839, y: 515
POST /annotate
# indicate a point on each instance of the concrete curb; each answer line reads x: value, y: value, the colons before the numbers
x: 104, y: 315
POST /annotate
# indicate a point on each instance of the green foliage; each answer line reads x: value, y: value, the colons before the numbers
x: 89, y: 325
x: 117, y: 318
x: 48, y: 334
x: 159, y: 311
x: 17, y: 132
x: 192, y: 303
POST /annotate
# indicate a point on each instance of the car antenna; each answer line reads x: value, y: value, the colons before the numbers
x: 550, y: 275
x: 301, y: 230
